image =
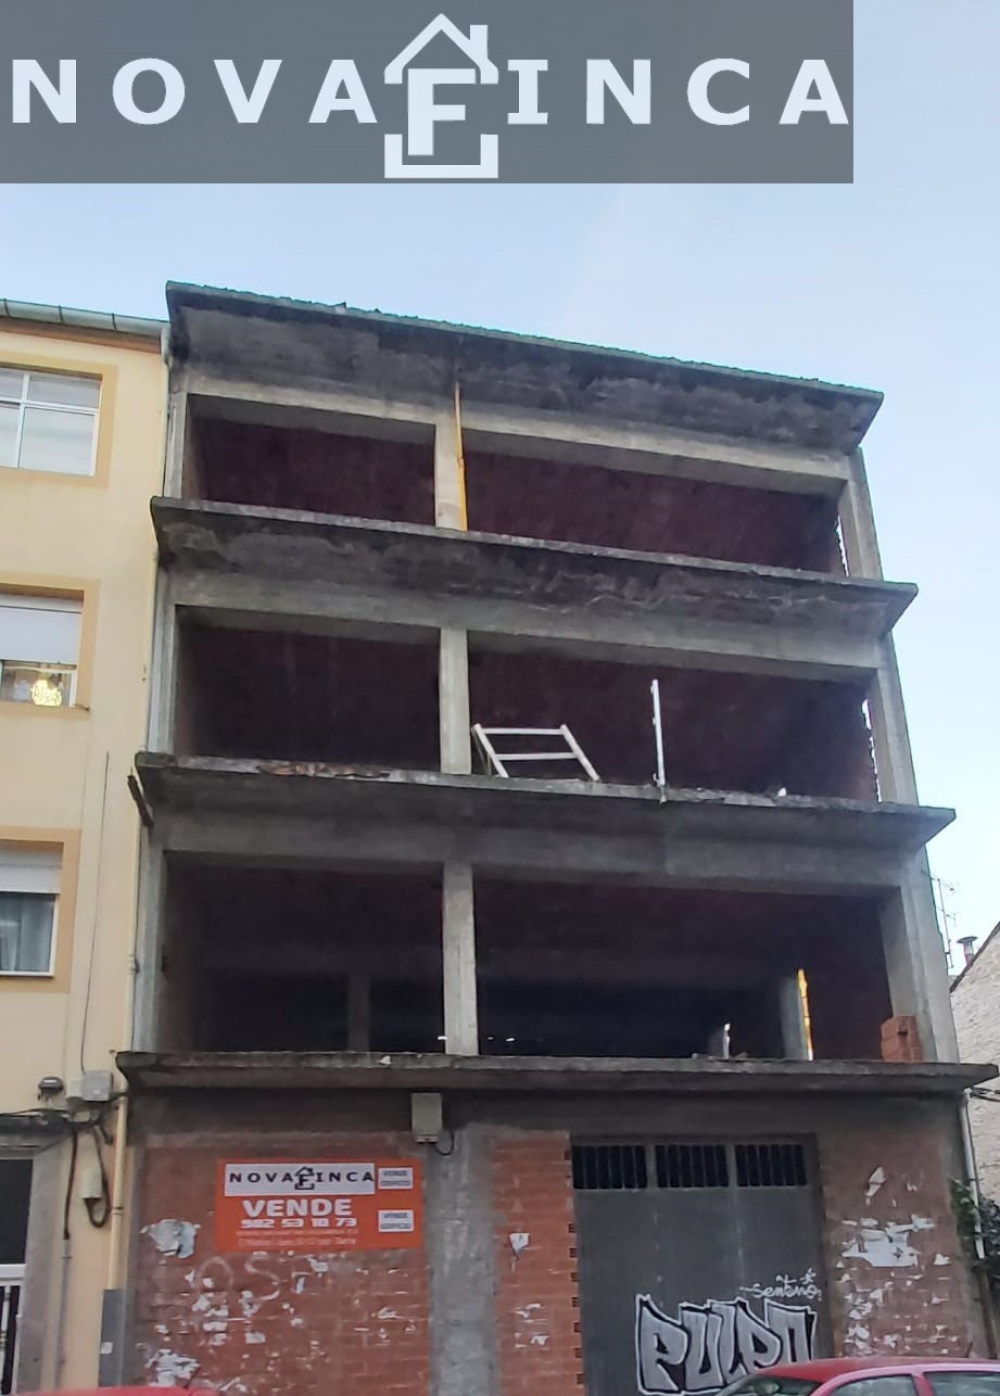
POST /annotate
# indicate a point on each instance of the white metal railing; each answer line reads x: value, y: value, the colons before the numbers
x: 11, y: 1290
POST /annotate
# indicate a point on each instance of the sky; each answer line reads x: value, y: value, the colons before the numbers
x: 892, y: 282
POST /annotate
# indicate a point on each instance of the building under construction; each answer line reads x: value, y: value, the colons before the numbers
x: 539, y: 984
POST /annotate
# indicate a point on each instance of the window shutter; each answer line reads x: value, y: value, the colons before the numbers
x: 37, y: 630
x: 30, y: 869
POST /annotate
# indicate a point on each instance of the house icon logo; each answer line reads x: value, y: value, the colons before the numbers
x: 424, y: 113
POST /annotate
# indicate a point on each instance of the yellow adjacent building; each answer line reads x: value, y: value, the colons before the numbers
x: 82, y: 410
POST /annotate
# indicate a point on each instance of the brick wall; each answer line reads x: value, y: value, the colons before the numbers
x: 538, y: 1315
x: 898, y: 1281
x: 259, y: 1323
x: 975, y: 1001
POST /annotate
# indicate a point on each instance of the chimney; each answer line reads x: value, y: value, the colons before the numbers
x: 968, y: 944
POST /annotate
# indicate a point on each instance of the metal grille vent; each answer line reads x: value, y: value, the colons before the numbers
x: 691, y: 1166
x: 609, y: 1167
x: 634, y: 1167
x: 771, y: 1166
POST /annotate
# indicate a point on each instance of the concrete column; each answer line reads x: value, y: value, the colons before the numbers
x: 914, y: 950
x: 176, y: 443
x: 461, y: 1026
x: 163, y: 669
x: 460, y: 1246
x: 148, y: 946
x: 454, y: 716
x: 794, y: 1036
x: 915, y: 962
x: 449, y: 473
x: 359, y: 1011
x: 857, y: 524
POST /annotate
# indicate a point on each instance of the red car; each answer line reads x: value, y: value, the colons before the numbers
x: 874, y: 1376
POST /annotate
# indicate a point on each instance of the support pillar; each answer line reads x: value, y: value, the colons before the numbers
x: 449, y: 473
x: 914, y: 950
x: 358, y: 1011
x: 461, y: 1026
x: 454, y: 715
x: 791, y: 1010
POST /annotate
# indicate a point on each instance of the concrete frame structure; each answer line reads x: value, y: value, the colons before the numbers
x: 252, y: 361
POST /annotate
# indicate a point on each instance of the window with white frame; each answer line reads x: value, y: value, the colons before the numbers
x: 39, y: 649
x: 48, y: 421
x: 29, y: 894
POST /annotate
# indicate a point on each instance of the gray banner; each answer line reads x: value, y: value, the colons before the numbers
x: 292, y: 91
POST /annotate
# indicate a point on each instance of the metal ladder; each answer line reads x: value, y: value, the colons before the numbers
x: 497, y: 760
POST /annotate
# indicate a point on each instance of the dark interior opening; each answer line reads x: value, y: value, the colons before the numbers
x: 282, y: 959
x: 323, y: 472
x: 746, y: 732
x: 608, y: 970
x: 278, y: 696
x: 559, y: 502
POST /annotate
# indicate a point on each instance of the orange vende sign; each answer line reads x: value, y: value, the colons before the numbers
x: 318, y: 1205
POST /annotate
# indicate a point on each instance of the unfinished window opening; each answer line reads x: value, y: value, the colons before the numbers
x: 288, y: 466
x: 296, y: 960
x: 722, y: 731
x: 621, y: 971
x: 272, y: 695
x: 559, y: 502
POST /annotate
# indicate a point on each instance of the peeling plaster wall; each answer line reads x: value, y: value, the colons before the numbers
x: 899, y: 1282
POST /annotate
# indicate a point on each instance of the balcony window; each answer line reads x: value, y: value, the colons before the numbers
x: 48, y: 421
x: 29, y: 886
x: 39, y: 649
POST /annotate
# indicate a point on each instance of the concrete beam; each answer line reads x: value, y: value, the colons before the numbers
x: 577, y: 439
x: 326, y: 1071
x: 304, y: 570
x: 654, y: 861
x: 669, y: 967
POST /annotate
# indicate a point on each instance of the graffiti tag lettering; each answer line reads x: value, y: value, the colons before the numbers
x: 709, y: 1345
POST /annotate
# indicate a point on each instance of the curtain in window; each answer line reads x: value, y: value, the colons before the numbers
x: 25, y: 933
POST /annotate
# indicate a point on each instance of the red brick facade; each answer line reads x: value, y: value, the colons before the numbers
x: 901, y: 1041
x: 273, y: 1322
x: 538, y: 1316
x: 896, y: 1280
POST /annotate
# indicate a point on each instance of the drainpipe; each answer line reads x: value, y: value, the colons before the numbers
x: 972, y: 1174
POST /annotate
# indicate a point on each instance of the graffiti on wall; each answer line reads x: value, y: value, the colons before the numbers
x: 704, y: 1347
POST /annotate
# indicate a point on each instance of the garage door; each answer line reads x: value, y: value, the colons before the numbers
x: 698, y: 1261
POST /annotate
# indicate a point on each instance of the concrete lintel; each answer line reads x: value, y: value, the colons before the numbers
x: 578, y: 439
x: 329, y: 1071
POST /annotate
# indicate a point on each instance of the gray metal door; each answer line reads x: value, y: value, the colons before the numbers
x: 697, y: 1261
